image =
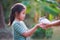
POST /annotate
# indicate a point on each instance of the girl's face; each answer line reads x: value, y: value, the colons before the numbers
x: 21, y: 16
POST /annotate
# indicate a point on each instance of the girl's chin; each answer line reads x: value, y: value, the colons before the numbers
x: 22, y: 20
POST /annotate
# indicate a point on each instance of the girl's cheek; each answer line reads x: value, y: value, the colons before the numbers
x: 22, y: 17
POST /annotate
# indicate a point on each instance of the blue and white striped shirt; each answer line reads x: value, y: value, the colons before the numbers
x: 19, y: 28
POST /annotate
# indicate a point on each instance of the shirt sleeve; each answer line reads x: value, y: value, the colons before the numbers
x: 20, y: 28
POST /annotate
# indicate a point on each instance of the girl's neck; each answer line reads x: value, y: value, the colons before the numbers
x: 17, y: 19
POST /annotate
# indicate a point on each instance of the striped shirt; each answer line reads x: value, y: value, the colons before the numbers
x: 19, y: 28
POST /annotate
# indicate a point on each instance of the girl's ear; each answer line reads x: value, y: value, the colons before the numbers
x: 16, y: 13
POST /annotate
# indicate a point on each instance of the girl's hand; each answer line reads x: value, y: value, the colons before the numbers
x: 43, y: 26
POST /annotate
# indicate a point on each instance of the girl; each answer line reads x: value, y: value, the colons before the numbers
x: 21, y: 32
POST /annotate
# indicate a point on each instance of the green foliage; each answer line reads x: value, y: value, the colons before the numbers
x: 41, y: 33
x: 54, y: 11
x: 51, y: 17
x: 49, y: 33
x: 51, y: 10
x: 27, y: 3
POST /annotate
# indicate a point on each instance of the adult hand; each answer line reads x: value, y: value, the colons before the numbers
x: 45, y: 25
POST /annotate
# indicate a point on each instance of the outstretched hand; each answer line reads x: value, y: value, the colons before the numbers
x: 42, y: 25
x: 45, y: 25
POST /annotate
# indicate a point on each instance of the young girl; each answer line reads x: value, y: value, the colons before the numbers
x: 21, y: 32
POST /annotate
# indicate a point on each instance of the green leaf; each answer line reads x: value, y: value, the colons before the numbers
x: 27, y: 3
x: 51, y: 10
x: 51, y: 17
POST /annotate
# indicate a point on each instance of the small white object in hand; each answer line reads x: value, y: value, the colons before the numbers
x: 43, y: 20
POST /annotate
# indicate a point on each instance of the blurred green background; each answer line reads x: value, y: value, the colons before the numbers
x: 35, y: 9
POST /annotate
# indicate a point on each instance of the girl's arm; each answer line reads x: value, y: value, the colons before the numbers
x: 31, y: 31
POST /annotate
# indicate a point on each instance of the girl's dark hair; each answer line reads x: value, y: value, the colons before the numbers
x: 18, y: 7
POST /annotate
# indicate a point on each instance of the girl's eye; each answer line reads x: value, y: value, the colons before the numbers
x: 23, y: 13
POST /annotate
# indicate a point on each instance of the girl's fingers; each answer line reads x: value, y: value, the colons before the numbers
x: 44, y: 25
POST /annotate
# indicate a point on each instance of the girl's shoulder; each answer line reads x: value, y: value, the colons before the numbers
x: 17, y: 22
